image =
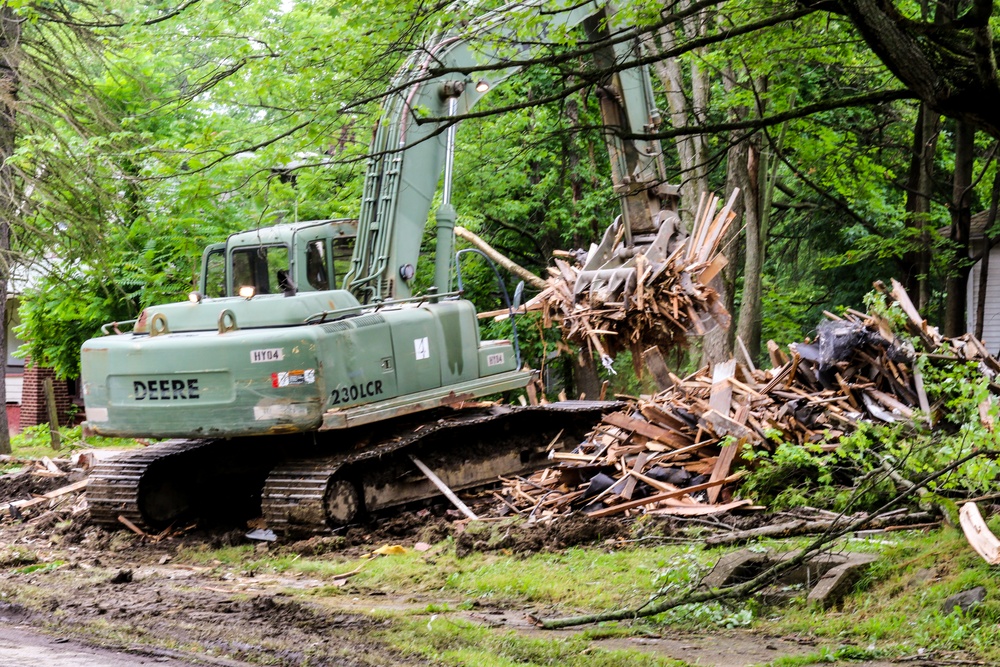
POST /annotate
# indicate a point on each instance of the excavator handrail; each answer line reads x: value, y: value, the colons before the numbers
x: 320, y: 317
x: 114, y: 325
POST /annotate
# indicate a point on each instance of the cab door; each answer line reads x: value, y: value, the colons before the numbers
x: 321, y: 254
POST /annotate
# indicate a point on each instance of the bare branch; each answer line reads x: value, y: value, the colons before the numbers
x: 50, y: 17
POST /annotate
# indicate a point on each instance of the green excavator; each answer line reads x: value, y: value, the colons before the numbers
x: 283, y: 397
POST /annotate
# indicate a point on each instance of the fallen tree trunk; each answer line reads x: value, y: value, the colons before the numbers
x: 802, y: 527
x: 504, y: 261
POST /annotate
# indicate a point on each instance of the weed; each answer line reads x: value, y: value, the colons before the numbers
x: 41, y: 567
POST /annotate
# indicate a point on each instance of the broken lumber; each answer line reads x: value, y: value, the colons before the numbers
x: 51, y: 495
x: 443, y: 488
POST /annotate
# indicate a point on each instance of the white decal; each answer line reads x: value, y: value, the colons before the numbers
x: 97, y: 414
x: 293, y: 378
x: 280, y: 411
x: 422, y: 348
x: 271, y: 354
x: 494, y: 359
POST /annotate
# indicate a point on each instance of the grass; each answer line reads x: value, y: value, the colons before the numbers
x: 899, y: 602
x: 451, y: 641
x: 34, y: 442
x: 577, y: 578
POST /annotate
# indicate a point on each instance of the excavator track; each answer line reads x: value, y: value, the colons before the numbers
x: 181, y: 480
x: 313, y: 482
x: 114, y: 486
x: 313, y: 495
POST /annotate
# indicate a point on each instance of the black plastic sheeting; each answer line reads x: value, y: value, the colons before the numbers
x: 837, y: 340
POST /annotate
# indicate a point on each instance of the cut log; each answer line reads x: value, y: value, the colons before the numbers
x: 978, y: 533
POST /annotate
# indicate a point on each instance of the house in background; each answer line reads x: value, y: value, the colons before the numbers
x: 991, y: 306
x: 25, y: 383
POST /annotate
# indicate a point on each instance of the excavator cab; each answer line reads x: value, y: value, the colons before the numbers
x: 288, y: 258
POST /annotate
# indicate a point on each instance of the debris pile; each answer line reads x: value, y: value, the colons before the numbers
x: 43, y: 490
x: 675, y: 453
x: 610, y: 301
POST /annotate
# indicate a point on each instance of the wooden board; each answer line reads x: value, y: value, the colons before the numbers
x: 721, y: 398
x: 722, y: 467
x: 646, y: 429
x: 699, y: 510
x: 657, y: 367
x: 616, y: 509
x: 62, y: 491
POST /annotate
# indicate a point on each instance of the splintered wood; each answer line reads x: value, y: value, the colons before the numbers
x: 679, y: 452
x: 655, y: 297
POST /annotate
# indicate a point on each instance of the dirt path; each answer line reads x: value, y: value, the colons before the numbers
x: 87, y: 587
x: 182, y: 614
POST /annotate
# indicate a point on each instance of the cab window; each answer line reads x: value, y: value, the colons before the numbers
x: 259, y: 267
x: 317, y: 265
x: 215, y: 273
x: 343, y: 249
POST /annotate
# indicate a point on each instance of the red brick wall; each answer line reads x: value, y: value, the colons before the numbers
x: 34, y: 409
x: 14, y: 418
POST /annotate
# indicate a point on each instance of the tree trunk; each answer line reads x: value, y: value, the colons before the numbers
x: 961, y: 216
x: 10, y: 37
x: 916, y: 264
x: 691, y: 148
x: 690, y: 108
x: 588, y: 382
x: 748, y: 326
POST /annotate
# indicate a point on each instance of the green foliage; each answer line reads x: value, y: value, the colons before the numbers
x: 788, y: 477
x: 790, y: 312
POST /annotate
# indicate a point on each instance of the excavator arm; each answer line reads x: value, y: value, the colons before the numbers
x: 407, y: 156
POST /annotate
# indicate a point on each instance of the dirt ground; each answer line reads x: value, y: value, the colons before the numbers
x: 63, y: 578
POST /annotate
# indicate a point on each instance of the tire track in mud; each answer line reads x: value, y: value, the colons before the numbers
x: 151, y: 612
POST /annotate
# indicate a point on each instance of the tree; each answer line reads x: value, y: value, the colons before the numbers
x: 10, y: 37
x: 252, y: 113
x: 948, y: 58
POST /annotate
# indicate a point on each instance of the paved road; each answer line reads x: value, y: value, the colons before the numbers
x: 22, y: 647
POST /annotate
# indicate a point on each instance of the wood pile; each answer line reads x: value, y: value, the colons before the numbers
x: 42, y: 490
x: 664, y: 297
x: 677, y: 452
